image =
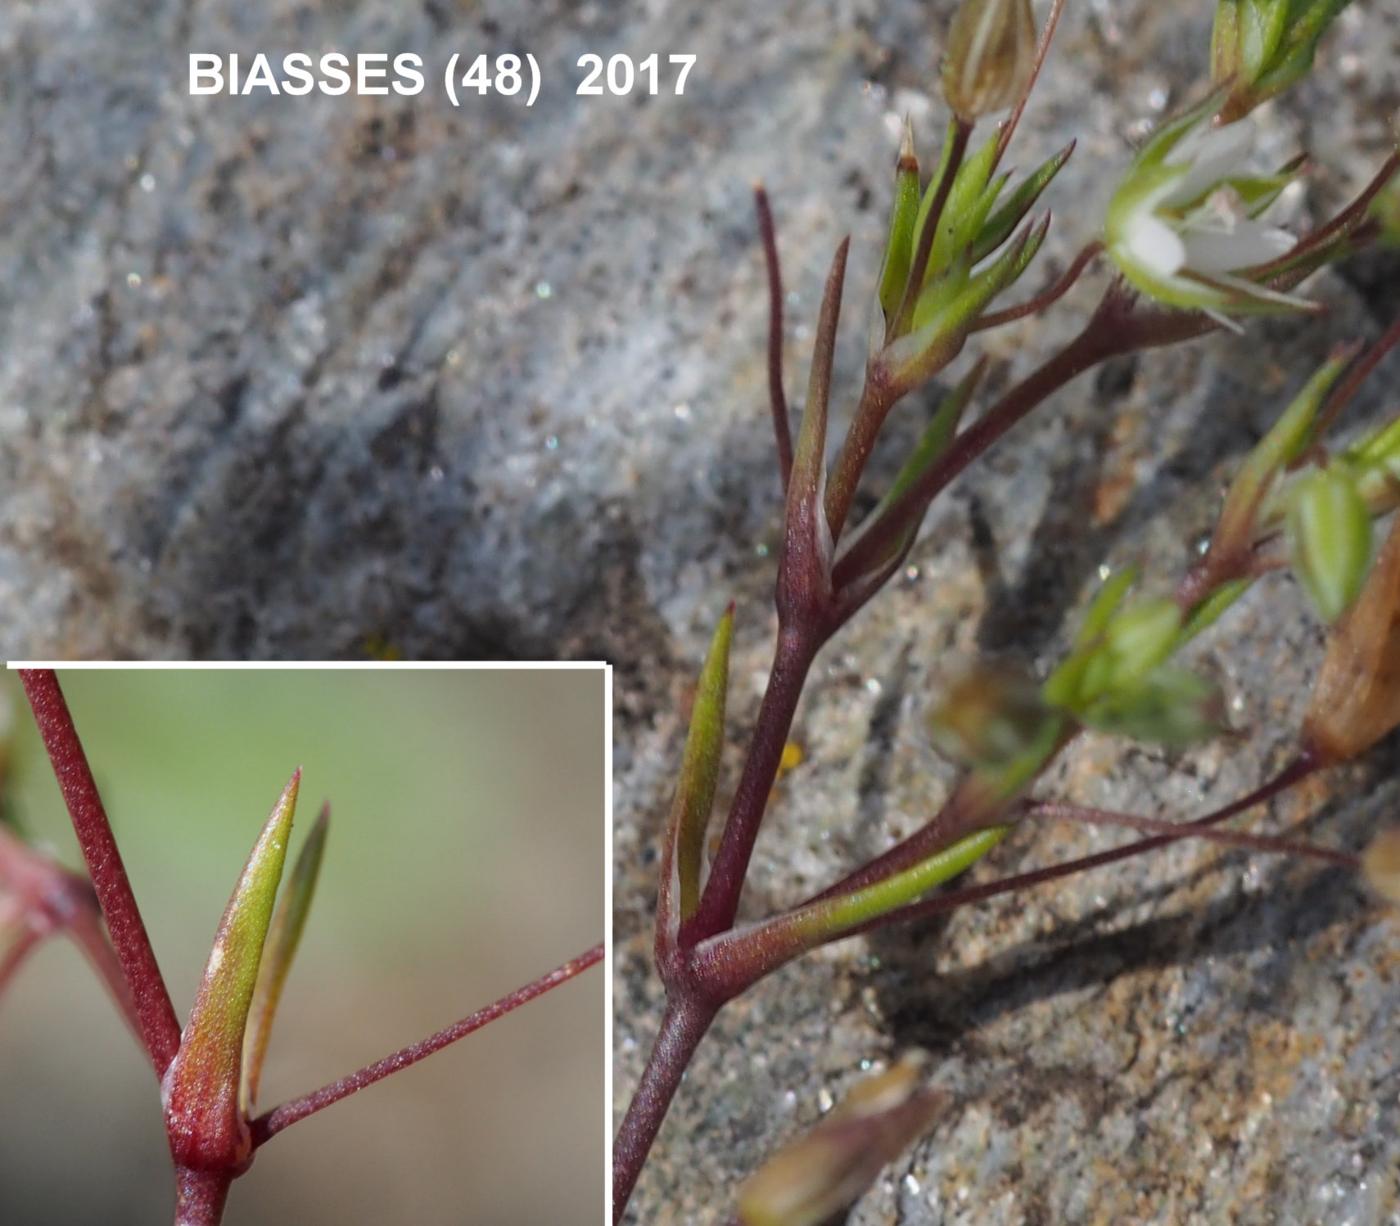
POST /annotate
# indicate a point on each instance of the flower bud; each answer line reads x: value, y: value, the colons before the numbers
x: 818, y: 1176
x: 990, y: 56
x: 1261, y: 47
x: 1357, y: 697
x: 989, y: 718
x: 1329, y: 538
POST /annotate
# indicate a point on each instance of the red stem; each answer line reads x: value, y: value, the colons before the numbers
x: 1115, y: 328
x: 1299, y: 769
x: 1088, y: 816
x: 682, y: 1027
x: 734, y: 961
x: 159, y: 1029
x: 18, y: 950
x: 1342, y: 394
x: 1051, y: 294
x: 200, y: 1196
x: 270, y: 1123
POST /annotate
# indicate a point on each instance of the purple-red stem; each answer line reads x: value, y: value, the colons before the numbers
x: 200, y: 1196
x: 1342, y: 394
x: 733, y: 962
x: 270, y: 1123
x: 159, y: 1028
x: 1051, y: 294
x: 1115, y: 329
x: 1299, y: 769
x: 682, y: 1027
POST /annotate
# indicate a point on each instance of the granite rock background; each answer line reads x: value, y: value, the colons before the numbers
x: 290, y: 378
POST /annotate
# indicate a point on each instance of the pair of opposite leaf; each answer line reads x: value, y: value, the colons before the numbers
x: 211, y: 1085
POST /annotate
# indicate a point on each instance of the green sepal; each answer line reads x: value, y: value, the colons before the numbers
x: 1208, y: 611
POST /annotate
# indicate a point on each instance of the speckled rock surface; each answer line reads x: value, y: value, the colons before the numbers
x: 291, y: 378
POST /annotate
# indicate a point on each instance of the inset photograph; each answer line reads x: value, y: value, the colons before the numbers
x: 303, y: 945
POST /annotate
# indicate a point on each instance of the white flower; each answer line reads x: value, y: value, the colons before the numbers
x: 1182, y: 225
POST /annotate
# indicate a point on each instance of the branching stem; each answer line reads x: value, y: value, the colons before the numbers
x: 159, y: 1028
x: 272, y: 1122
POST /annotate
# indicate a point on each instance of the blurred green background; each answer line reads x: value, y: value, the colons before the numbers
x: 465, y: 857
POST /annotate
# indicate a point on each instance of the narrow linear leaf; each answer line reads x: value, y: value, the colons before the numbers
x: 804, y: 574
x: 1000, y: 224
x: 899, y: 249
x: 1289, y: 438
x: 207, y: 1130
x: 282, y: 940
x: 695, y: 789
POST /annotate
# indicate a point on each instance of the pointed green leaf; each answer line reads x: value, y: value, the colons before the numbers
x: 282, y: 940
x: 899, y: 248
x: 201, y: 1087
x: 933, y: 442
x: 971, y: 199
x: 999, y: 226
x: 1290, y: 438
x: 695, y: 789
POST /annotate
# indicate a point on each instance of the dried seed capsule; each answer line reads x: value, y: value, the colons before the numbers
x: 991, y: 53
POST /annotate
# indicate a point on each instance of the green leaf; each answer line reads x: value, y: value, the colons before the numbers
x: 1169, y: 707
x: 822, y: 920
x: 280, y: 948
x: 1290, y: 437
x: 899, y: 248
x: 1329, y: 539
x: 1208, y: 611
x: 973, y: 194
x: 695, y: 789
x: 999, y: 226
x: 207, y: 1128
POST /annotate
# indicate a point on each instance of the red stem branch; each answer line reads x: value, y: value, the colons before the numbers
x: 159, y: 1028
x: 270, y: 1123
x: 682, y: 1027
x: 1051, y: 294
x: 1293, y: 774
x: 200, y: 1196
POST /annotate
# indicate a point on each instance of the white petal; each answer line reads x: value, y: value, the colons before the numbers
x: 1213, y: 154
x: 1242, y: 245
x: 1149, y: 241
